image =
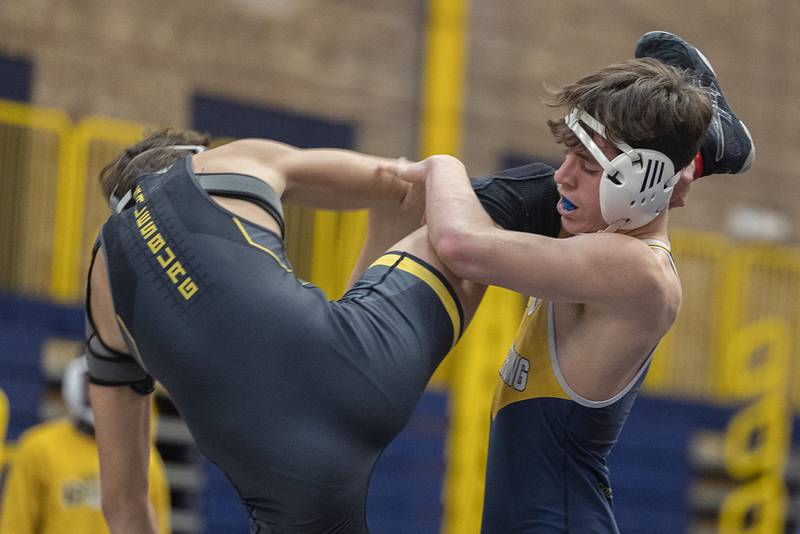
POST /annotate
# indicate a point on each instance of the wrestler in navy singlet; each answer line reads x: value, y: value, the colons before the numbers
x: 547, y: 471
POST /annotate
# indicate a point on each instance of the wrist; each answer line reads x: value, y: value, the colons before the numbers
x: 445, y: 161
x: 444, y: 170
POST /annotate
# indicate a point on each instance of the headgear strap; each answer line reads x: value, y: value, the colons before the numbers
x: 118, y: 204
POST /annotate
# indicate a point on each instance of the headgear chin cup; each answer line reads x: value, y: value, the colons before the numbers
x: 118, y: 203
x: 636, y: 185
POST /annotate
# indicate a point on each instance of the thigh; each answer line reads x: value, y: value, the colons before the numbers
x: 468, y: 293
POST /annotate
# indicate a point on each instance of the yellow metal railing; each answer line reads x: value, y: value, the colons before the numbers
x: 80, y: 210
x: 32, y: 142
x: 681, y: 362
x: 337, y: 239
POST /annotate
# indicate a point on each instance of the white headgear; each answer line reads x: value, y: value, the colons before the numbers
x: 636, y: 185
x: 74, y: 390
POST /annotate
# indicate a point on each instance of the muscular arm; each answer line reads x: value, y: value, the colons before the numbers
x: 122, y: 429
x: 318, y: 178
x: 339, y: 179
x: 587, y: 269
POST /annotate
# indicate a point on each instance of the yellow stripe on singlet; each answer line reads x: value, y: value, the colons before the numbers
x: 260, y: 247
x: 424, y: 273
x: 662, y: 247
x: 658, y: 245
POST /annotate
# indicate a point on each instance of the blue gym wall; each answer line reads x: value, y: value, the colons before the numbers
x: 15, y: 78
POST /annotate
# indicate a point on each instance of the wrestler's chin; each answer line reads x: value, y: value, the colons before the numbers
x: 569, y: 222
x: 569, y: 226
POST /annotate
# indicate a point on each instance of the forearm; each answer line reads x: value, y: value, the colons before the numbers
x: 339, y: 179
x: 122, y: 431
x: 133, y: 516
x: 454, y: 215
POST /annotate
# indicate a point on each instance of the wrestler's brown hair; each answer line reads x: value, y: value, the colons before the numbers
x: 642, y: 102
x: 151, y: 154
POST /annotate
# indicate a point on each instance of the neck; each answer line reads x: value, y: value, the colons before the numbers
x: 655, y: 229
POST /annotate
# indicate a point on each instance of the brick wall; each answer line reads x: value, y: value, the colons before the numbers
x: 359, y: 61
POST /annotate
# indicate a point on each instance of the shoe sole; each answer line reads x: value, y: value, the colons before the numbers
x: 752, y: 155
x: 703, y: 58
x: 748, y: 162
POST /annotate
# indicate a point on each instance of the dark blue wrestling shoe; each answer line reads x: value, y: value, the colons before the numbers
x: 728, y: 147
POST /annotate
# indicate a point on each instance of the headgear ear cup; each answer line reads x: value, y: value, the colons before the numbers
x: 640, y: 191
x: 636, y: 185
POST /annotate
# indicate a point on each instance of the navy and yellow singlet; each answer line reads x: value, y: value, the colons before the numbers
x: 546, y: 470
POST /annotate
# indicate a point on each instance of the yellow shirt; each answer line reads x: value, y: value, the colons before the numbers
x: 53, y: 484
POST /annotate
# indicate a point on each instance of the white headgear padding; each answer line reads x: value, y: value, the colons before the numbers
x: 636, y: 185
x: 74, y: 389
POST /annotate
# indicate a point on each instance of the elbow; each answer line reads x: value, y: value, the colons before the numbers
x: 459, y: 250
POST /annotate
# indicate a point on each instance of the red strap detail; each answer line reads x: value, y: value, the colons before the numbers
x: 698, y: 166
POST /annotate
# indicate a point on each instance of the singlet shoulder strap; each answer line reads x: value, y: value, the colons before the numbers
x: 244, y: 187
x: 663, y: 246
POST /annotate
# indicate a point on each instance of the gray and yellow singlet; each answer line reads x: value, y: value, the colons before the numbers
x: 293, y: 396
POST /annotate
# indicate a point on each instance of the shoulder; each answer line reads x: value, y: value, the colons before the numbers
x: 616, y: 254
x: 263, y: 151
x: 642, y: 283
x: 260, y: 158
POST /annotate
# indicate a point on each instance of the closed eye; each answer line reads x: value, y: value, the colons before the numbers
x: 591, y: 169
x: 588, y: 163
